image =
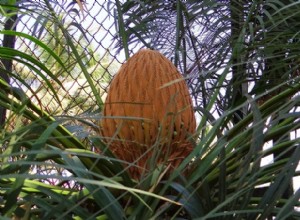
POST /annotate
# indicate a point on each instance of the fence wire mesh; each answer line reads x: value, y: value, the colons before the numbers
x: 93, y: 31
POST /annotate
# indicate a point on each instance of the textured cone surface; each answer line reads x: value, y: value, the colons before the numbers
x: 148, y: 111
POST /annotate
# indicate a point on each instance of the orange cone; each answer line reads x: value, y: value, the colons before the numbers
x: 148, y: 112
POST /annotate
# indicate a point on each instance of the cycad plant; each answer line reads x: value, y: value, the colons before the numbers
x: 241, y: 62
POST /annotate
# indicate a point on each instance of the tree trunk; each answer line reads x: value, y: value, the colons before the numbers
x: 8, y: 41
x: 239, y: 87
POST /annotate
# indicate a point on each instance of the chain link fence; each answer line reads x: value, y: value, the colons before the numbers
x: 93, y: 32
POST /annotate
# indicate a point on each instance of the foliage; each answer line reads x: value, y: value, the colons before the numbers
x: 74, y: 89
x: 49, y: 169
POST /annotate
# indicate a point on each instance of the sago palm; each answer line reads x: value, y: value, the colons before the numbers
x: 241, y: 62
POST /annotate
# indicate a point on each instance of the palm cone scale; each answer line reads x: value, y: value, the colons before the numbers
x: 148, y: 113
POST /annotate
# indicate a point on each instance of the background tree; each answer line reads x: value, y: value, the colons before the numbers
x: 73, y: 92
